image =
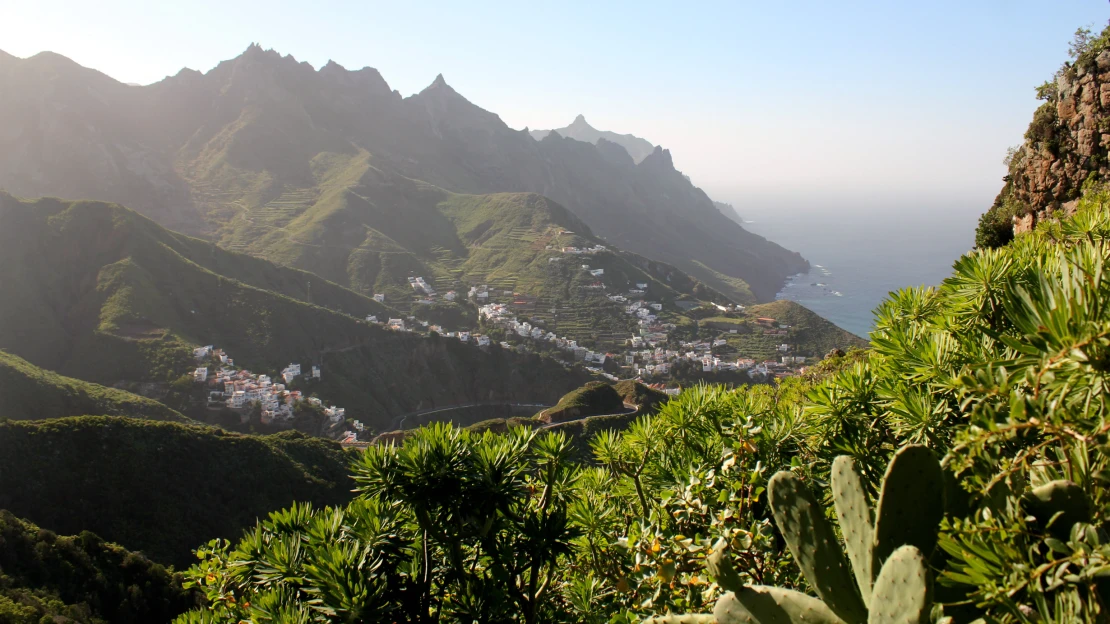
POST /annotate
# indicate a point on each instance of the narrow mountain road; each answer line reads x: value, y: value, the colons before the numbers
x: 399, y: 421
x: 629, y: 408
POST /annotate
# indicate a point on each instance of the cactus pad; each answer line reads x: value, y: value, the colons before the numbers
x: 814, y: 546
x: 911, y: 505
x: 853, y: 510
x: 772, y: 605
x: 698, y: 618
x: 721, y: 568
x: 903, y: 591
x: 1058, y: 497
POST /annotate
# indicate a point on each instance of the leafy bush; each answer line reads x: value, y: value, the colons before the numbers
x: 45, y: 577
x: 1000, y: 370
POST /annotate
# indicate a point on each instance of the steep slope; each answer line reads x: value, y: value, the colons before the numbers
x: 581, y: 130
x: 31, y: 393
x: 162, y: 488
x: 1065, y: 147
x: 83, y: 579
x: 383, y: 229
x: 261, y: 138
x: 729, y: 211
x: 98, y: 292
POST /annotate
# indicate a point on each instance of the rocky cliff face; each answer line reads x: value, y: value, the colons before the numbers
x: 1065, y: 146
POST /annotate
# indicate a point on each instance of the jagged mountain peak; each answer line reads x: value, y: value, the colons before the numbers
x: 580, y: 120
x: 659, y: 158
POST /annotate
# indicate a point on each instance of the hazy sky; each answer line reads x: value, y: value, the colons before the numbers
x: 775, y: 104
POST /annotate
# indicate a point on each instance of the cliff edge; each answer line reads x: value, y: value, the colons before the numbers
x: 1065, y: 146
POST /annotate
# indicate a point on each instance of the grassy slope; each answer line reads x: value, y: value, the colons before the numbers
x: 162, y: 488
x: 593, y: 399
x: 33, y: 393
x: 370, y: 230
x: 82, y: 578
x: 97, y: 292
x: 608, y: 398
x: 810, y: 333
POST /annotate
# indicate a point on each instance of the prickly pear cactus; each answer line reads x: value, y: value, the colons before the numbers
x: 699, y: 618
x: 1061, y: 497
x: 903, y: 591
x: 889, y: 582
x: 772, y: 605
x: 853, y: 510
x: 911, y: 504
x: 814, y: 545
x: 721, y: 568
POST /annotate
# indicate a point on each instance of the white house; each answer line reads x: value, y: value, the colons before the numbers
x: 483, y: 341
x: 641, y: 285
x: 450, y: 295
x: 202, y: 352
x: 380, y: 298
x: 398, y: 324
x: 200, y: 375
x: 315, y: 372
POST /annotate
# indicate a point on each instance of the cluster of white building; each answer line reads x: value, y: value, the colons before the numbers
x: 584, y: 251
x: 419, y: 285
x: 240, y: 389
x: 659, y: 361
x: 501, y: 315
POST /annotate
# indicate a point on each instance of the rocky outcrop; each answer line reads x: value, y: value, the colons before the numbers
x: 1066, y: 144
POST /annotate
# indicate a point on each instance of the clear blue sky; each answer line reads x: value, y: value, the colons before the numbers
x: 784, y: 104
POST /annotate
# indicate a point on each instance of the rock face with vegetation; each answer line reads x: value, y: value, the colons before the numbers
x: 268, y: 155
x: 1065, y: 146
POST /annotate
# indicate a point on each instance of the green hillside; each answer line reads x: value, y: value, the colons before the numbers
x: 812, y: 334
x: 161, y: 488
x: 98, y: 292
x: 806, y: 333
x: 593, y: 399
x: 82, y: 579
x: 375, y: 230
x: 31, y: 393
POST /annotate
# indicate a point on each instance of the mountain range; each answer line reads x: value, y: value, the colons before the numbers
x: 581, y: 130
x: 326, y: 167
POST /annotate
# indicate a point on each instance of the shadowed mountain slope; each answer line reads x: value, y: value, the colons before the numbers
x: 31, y: 393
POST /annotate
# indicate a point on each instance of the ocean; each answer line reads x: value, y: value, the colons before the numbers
x: 858, y: 258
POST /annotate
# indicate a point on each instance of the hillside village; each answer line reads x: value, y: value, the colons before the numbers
x: 650, y: 352
x: 241, y: 391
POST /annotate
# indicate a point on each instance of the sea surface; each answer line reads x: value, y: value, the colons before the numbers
x: 856, y: 259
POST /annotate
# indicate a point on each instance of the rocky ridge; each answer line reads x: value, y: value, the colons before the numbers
x: 1065, y: 146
